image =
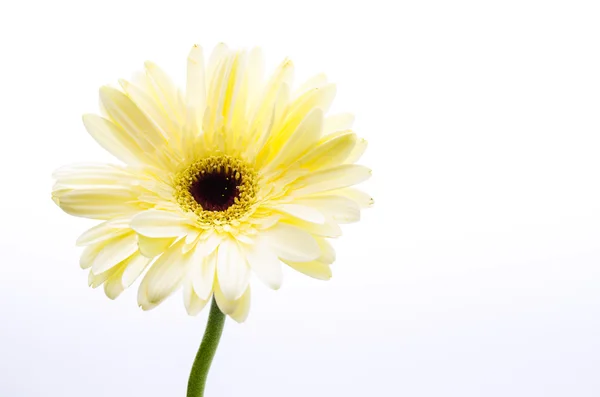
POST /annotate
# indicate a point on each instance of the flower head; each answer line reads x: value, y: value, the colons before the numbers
x: 233, y: 176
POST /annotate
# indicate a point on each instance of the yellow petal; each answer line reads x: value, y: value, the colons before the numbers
x: 306, y: 135
x: 195, y: 91
x: 338, y: 122
x: 292, y: 243
x: 193, y: 303
x: 125, y: 113
x: 152, y: 247
x: 314, y: 269
x: 164, y: 277
x: 233, y: 272
x: 330, y: 179
x: 329, y: 153
x: 159, y: 224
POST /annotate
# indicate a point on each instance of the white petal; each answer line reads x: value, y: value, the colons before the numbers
x: 255, y: 72
x: 205, y: 247
x: 304, y: 212
x: 202, y: 273
x: 113, y: 139
x: 113, y: 287
x: 156, y: 223
x: 316, y: 81
x: 165, y: 92
x: 193, y: 304
x: 329, y: 153
x: 236, y: 309
x: 265, y: 222
x: 264, y: 263
x: 271, y: 98
x: 195, y: 89
x: 240, y: 314
x: 136, y: 264
x: 327, y: 252
x: 101, y: 203
x: 338, y: 122
x: 232, y: 269
x: 164, y: 277
x: 152, y: 247
x: 357, y: 152
x: 328, y: 229
x: 292, y: 243
x: 102, y: 232
x: 218, y: 53
x: 362, y: 199
x: 330, y: 179
x: 89, y: 254
x: 306, y: 135
x: 314, y: 269
x: 148, y: 103
x: 114, y: 252
x: 339, y: 208
x: 96, y: 280
x: 125, y: 113
x: 89, y: 175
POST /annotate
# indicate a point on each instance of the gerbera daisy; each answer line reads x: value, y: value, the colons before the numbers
x: 233, y: 176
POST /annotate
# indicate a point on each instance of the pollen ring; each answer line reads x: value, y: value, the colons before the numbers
x: 218, y: 189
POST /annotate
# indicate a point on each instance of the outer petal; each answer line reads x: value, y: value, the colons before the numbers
x: 329, y: 153
x: 153, y: 247
x: 306, y: 135
x: 103, y: 202
x: 338, y: 208
x: 338, y: 122
x: 357, y: 152
x: 203, y: 272
x: 114, y: 252
x: 330, y: 179
x: 159, y: 224
x: 304, y: 212
x: 314, y: 269
x: 135, y: 266
x: 113, y: 139
x: 316, y: 81
x: 104, y: 231
x: 232, y: 269
x: 126, y: 114
x: 164, y: 277
x: 236, y: 309
x: 193, y: 304
x: 264, y: 263
x: 166, y: 93
x: 292, y: 243
x: 362, y: 199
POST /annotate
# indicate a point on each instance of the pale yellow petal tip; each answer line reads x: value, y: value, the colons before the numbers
x: 55, y: 199
x: 146, y: 307
x: 112, y: 295
x: 150, y: 65
x: 124, y: 83
x: 195, y: 54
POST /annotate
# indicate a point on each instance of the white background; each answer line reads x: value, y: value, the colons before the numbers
x: 477, y: 273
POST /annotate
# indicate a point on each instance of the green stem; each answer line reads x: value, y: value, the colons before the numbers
x: 206, y: 352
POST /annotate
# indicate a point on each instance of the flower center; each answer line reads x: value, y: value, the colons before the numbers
x: 218, y: 189
x: 215, y: 191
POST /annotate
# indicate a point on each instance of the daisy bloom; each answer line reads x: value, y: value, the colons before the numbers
x: 234, y: 175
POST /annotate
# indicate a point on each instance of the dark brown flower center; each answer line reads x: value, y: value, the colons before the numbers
x: 220, y: 190
x: 216, y: 190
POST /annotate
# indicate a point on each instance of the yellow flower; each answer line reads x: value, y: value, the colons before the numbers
x: 234, y: 176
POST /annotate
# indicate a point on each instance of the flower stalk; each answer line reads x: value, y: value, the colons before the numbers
x: 206, y: 352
